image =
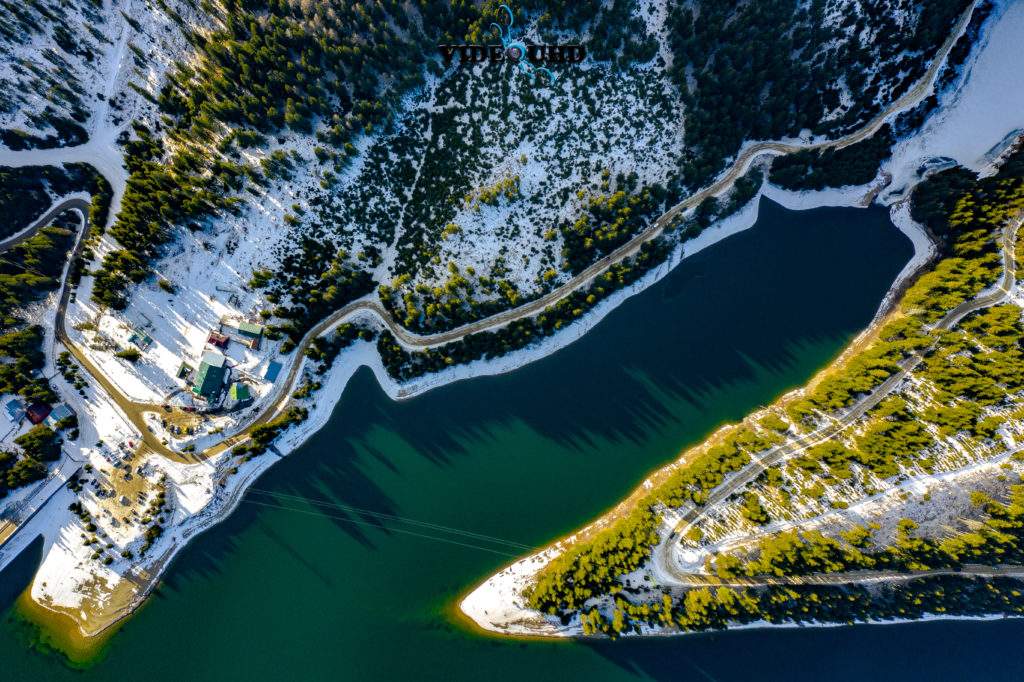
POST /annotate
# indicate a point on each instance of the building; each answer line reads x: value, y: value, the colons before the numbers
x: 272, y: 370
x: 210, y: 376
x: 239, y: 393
x: 217, y: 339
x: 15, y: 410
x: 38, y: 413
x: 141, y: 339
x: 59, y: 413
x: 250, y: 334
x: 252, y: 331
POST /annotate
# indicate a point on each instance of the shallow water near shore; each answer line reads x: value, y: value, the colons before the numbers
x: 347, y: 559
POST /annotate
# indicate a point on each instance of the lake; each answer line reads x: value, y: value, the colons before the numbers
x: 347, y: 559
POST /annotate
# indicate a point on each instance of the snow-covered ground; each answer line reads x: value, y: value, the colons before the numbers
x: 103, y: 83
x: 30, y: 67
x: 208, y: 289
x: 636, y: 126
x: 982, y: 106
x: 210, y: 272
x: 974, y: 121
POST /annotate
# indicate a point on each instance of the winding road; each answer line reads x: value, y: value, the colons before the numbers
x: 46, y: 219
x: 739, y: 167
x: 101, y: 153
x: 725, y: 181
x: 852, y: 577
x: 134, y: 411
x: 662, y: 556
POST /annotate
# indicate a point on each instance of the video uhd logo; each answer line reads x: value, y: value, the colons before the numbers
x: 530, y: 59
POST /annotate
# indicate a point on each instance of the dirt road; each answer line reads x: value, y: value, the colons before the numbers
x: 278, y: 400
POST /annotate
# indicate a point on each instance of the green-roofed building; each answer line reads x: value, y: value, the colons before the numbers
x: 141, y: 339
x: 251, y: 330
x: 210, y: 376
x: 239, y: 392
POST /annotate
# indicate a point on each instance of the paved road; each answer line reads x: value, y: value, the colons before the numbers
x: 724, y: 182
x: 852, y: 577
x: 746, y: 156
x: 278, y: 400
x: 134, y: 410
x: 45, y: 220
x: 747, y: 475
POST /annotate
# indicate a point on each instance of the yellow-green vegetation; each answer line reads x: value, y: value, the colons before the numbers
x: 998, y: 538
x: 971, y: 264
x: 507, y: 187
x: 795, y: 552
x: 896, y: 341
x: 606, y: 222
x: 589, y: 569
x: 710, y: 608
x: 1018, y: 250
x: 955, y: 279
x: 260, y: 437
x: 129, y: 354
x: 966, y: 371
x: 774, y: 422
x: 892, y: 441
x: 520, y: 333
x: 788, y: 553
x: 463, y: 297
x: 340, y: 282
x: 708, y: 469
x: 980, y: 363
x: 753, y: 510
x: 450, y: 230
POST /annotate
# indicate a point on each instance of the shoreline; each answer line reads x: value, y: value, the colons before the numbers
x: 763, y: 625
x: 466, y: 622
x: 364, y: 354
x: 903, y: 164
x: 502, y: 591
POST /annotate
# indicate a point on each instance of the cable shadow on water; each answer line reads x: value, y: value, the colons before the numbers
x: 693, y: 350
x: 273, y: 498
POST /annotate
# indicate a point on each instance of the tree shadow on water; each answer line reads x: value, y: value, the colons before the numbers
x: 754, y: 304
x: 334, y: 479
x: 691, y: 350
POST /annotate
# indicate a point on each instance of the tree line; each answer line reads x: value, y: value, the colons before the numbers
x: 589, y: 569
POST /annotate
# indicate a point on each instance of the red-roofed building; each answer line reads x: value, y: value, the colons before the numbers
x: 38, y: 412
x: 217, y: 339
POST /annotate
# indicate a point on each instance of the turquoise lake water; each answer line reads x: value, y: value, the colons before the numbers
x: 298, y: 586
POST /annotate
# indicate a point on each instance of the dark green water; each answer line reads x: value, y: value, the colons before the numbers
x: 273, y: 594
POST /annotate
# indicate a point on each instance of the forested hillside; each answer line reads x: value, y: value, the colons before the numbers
x: 955, y: 417
x: 769, y: 70
x: 282, y: 93
x: 333, y: 132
